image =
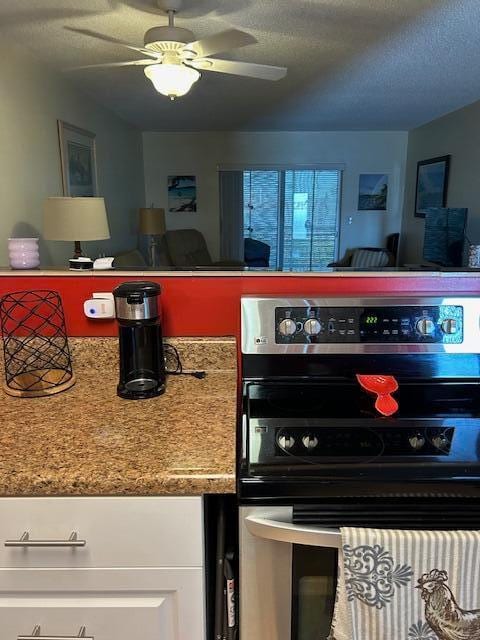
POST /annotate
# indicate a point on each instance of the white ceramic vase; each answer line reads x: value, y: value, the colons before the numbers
x: 23, y: 253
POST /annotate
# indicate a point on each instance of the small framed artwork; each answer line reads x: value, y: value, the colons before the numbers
x: 78, y: 160
x: 373, y: 192
x: 432, y: 184
x: 182, y: 194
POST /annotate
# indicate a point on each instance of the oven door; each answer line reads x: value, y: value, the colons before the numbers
x: 288, y: 576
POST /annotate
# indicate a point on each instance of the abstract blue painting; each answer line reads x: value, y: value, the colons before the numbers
x: 182, y: 194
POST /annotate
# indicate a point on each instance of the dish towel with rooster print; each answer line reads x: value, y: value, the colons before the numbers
x: 408, y: 585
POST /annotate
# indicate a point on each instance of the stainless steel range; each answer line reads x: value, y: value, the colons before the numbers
x: 316, y: 453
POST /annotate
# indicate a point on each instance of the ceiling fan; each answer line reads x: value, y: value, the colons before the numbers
x: 175, y: 59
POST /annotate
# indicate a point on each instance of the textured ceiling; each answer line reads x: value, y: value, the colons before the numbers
x: 353, y: 64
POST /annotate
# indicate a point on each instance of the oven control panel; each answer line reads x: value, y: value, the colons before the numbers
x: 364, y: 442
x: 425, y: 324
x: 349, y: 325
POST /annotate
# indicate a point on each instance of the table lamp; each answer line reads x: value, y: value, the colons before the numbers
x: 76, y: 219
x: 151, y: 222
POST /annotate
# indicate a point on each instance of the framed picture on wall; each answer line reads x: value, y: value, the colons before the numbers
x: 432, y: 184
x: 182, y: 194
x: 78, y: 160
x: 373, y: 192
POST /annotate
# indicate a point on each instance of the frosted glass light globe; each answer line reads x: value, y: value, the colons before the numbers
x: 172, y: 80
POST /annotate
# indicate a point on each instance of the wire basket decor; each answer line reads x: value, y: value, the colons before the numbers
x: 35, y: 346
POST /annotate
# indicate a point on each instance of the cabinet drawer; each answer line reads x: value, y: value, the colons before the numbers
x: 112, y: 604
x: 118, y: 532
x: 106, y: 618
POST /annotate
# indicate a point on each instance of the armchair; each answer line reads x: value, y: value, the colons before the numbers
x: 371, y: 257
x: 257, y: 254
x: 187, y: 248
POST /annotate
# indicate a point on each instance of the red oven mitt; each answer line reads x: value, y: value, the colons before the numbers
x: 383, y: 386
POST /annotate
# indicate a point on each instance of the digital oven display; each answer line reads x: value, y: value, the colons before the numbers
x: 387, y: 325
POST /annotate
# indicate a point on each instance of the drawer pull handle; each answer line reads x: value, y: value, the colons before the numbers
x: 36, y: 635
x: 26, y: 541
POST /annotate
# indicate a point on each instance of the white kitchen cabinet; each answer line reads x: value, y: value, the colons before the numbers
x: 109, y: 617
x: 118, y: 532
x: 112, y: 604
x: 102, y: 590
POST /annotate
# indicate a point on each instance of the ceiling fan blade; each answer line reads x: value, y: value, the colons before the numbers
x: 122, y: 43
x: 127, y: 63
x: 223, y: 41
x: 249, y: 69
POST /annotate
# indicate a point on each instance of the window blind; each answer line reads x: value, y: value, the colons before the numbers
x: 295, y: 212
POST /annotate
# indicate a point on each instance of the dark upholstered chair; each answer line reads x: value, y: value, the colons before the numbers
x: 129, y: 259
x: 187, y: 248
x: 392, y: 244
x: 257, y: 254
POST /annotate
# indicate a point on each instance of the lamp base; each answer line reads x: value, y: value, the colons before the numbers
x: 152, y: 248
x: 77, y: 253
x: 80, y: 264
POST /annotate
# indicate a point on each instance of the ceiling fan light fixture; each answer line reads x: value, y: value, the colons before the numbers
x: 172, y: 80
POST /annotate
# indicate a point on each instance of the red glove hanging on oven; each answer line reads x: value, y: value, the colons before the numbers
x: 382, y: 386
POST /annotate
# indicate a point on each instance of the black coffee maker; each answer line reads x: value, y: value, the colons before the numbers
x: 142, y: 364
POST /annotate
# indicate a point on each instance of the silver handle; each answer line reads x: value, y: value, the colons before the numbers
x: 285, y: 531
x: 36, y: 635
x: 26, y: 541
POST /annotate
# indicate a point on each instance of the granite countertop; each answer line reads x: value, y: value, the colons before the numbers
x: 87, y: 441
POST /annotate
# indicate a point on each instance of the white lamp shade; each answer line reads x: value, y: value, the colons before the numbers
x: 171, y: 80
x: 75, y: 219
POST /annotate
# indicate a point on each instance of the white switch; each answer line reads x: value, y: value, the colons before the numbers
x: 100, y: 306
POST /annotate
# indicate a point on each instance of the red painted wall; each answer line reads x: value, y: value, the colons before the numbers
x: 209, y: 306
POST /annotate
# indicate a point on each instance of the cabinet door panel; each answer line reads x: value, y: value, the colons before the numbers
x: 112, y: 604
x: 105, y: 618
x: 119, y: 532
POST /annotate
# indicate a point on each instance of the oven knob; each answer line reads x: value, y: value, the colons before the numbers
x: 309, y: 442
x: 416, y: 441
x: 287, y: 327
x: 449, y: 326
x: 441, y: 442
x: 286, y: 441
x: 312, y: 327
x: 426, y: 327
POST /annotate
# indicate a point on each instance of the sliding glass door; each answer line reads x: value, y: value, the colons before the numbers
x: 262, y: 209
x: 296, y: 213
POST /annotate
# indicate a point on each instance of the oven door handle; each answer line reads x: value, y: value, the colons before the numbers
x: 284, y: 531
